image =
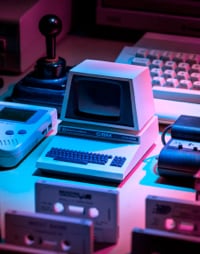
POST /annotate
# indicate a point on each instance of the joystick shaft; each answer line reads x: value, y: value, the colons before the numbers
x: 50, y: 26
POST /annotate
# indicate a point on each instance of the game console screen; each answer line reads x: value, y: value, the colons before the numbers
x: 15, y: 114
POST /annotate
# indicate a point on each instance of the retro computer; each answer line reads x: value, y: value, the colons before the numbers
x: 107, y: 122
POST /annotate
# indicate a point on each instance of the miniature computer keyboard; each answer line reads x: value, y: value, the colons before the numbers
x: 174, y: 64
x: 81, y: 157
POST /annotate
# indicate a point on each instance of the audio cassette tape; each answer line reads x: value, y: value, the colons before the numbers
x: 100, y: 204
x: 173, y: 215
x: 153, y: 241
x: 44, y: 232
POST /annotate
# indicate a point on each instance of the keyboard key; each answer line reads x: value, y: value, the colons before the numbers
x: 193, y: 59
x: 166, y: 56
x: 154, y: 54
x: 170, y: 65
x: 169, y: 74
x: 195, y: 77
x: 196, y: 85
x: 185, y: 84
x: 142, y: 52
x: 156, y: 63
x: 158, y: 81
x: 155, y: 72
x: 195, y: 68
x: 183, y: 75
x: 183, y: 67
x: 118, y: 161
x: 179, y: 57
x: 172, y: 82
x: 141, y: 61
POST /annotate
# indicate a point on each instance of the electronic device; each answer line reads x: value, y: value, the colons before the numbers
x: 180, y: 155
x: 174, y: 63
x: 99, y: 204
x: 13, y: 249
x: 45, y: 232
x: 46, y: 84
x: 22, y: 128
x: 20, y: 40
x: 151, y: 241
x: 173, y: 215
x: 108, y: 114
x: 168, y: 16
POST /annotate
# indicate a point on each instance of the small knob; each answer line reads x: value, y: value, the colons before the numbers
x: 50, y: 26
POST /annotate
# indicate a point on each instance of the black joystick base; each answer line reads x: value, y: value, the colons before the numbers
x: 46, y: 84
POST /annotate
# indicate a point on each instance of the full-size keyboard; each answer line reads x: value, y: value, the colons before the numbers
x: 174, y: 65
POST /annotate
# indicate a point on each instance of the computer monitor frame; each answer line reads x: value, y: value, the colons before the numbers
x: 138, y: 97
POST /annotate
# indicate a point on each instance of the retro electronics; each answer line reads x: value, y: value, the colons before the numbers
x: 101, y: 205
x: 107, y: 100
x: 22, y: 128
x: 38, y: 233
x: 45, y: 85
x: 153, y: 241
x: 180, y: 155
x: 21, y: 43
x: 167, y: 16
x: 108, y: 117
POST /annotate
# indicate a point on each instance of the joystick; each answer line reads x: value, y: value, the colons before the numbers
x: 46, y: 84
x: 51, y: 66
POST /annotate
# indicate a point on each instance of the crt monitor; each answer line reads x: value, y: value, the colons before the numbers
x: 107, y: 95
x: 100, y: 100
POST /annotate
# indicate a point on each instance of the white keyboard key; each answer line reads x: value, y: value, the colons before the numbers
x: 155, y: 72
x: 156, y: 63
x: 183, y: 67
x: 185, y: 84
x: 158, y: 81
x: 170, y: 65
x: 172, y: 82
x: 180, y: 57
x: 166, y: 55
x: 142, y: 52
x: 193, y: 59
x: 141, y: 61
x: 183, y: 75
x: 169, y: 74
x: 154, y: 54
x: 195, y: 68
x: 195, y: 77
x: 196, y: 85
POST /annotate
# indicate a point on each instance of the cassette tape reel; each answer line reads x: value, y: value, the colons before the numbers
x: 44, y: 232
x: 173, y: 215
x: 89, y: 202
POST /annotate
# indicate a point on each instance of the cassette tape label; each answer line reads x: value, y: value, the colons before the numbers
x: 49, y: 232
x: 98, y: 204
x: 174, y: 215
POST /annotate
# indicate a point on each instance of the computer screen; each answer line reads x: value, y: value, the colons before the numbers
x: 101, y: 100
x: 166, y: 16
